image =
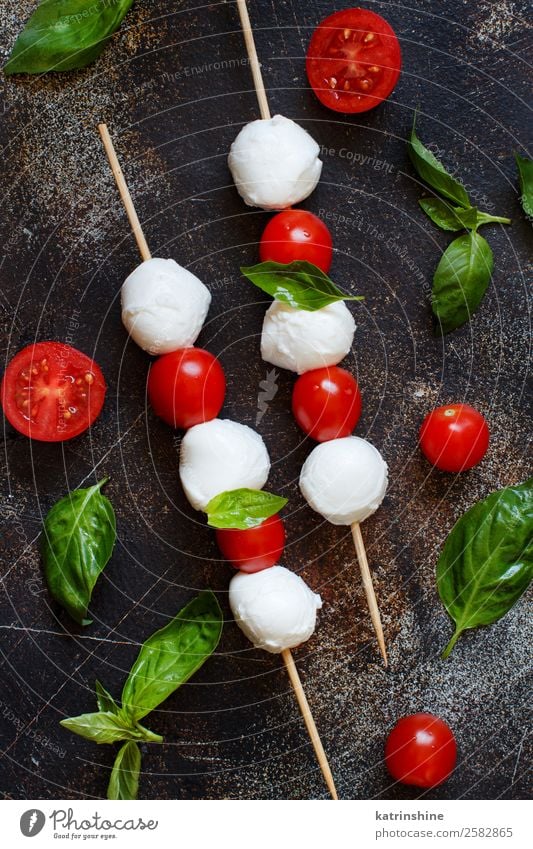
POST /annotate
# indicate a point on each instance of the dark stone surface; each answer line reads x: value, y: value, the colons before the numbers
x: 234, y: 731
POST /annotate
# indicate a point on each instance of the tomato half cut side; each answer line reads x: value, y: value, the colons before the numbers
x: 353, y: 60
x: 52, y: 392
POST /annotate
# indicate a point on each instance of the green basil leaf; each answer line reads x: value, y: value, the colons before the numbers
x: 485, y: 218
x: 124, y: 781
x: 170, y: 656
x: 105, y: 700
x: 461, y: 280
x: 525, y: 173
x: 487, y: 560
x: 102, y: 727
x: 300, y: 284
x: 433, y: 172
x: 79, y: 535
x: 447, y: 217
x: 242, y: 508
x: 65, y: 34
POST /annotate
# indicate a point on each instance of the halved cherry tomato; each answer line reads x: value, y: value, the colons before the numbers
x: 254, y: 549
x: 296, y: 234
x: 454, y: 437
x: 52, y: 392
x: 353, y: 60
x: 421, y: 750
x: 186, y: 387
x: 326, y: 403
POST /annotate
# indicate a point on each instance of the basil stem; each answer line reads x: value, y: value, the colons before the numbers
x: 242, y: 508
x: 65, y: 34
x: 79, y: 536
x: 124, y: 781
x: 300, y: 284
x: 487, y: 560
x: 461, y: 280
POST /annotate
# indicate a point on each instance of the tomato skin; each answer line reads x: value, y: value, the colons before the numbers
x: 454, y: 437
x: 186, y: 387
x: 326, y: 403
x: 421, y: 750
x: 254, y: 549
x: 353, y: 60
x: 297, y: 234
x: 52, y: 392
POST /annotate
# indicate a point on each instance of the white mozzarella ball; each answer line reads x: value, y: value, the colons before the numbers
x: 163, y: 306
x: 218, y: 456
x: 274, y: 608
x: 344, y: 480
x: 274, y: 163
x: 301, y: 340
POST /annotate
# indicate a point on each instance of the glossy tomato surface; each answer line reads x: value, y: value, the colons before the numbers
x: 296, y: 234
x: 326, y: 403
x: 353, y: 60
x: 254, y: 549
x: 421, y: 750
x: 186, y: 387
x: 454, y: 437
x: 52, y: 392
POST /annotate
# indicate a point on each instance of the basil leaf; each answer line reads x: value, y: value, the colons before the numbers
x: 447, y: 217
x: 79, y: 535
x: 300, y: 284
x: 105, y: 700
x: 434, y: 173
x: 102, y: 727
x: 242, y: 508
x: 124, y: 781
x: 461, y: 280
x: 487, y: 560
x: 170, y: 656
x: 485, y: 218
x: 65, y: 34
x: 525, y: 173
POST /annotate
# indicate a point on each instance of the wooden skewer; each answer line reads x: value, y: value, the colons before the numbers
x: 254, y: 61
x: 124, y: 192
x: 309, y: 721
x: 369, y: 588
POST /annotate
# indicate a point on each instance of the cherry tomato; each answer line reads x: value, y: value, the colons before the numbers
x: 254, y: 549
x: 421, y: 750
x: 454, y: 437
x: 296, y: 234
x: 186, y: 387
x: 52, y: 392
x: 326, y: 403
x: 353, y: 60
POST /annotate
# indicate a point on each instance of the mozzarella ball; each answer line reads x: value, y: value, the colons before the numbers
x: 300, y: 340
x: 274, y: 163
x: 218, y: 456
x: 163, y: 306
x: 344, y: 480
x: 274, y: 608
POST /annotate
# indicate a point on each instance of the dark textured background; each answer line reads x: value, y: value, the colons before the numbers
x: 235, y: 731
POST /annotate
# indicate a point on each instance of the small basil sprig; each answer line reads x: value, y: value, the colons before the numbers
x: 165, y: 661
x: 65, y: 34
x: 525, y: 174
x: 300, y: 284
x: 242, y: 508
x: 464, y: 271
x: 487, y: 560
x: 78, y: 538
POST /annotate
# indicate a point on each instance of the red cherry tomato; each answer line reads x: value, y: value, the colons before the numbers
x: 454, y: 437
x: 421, y: 750
x: 254, y: 549
x: 353, y: 60
x: 296, y: 234
x: 52, y: 392
x: 186, y: 387
x: 326, y: 403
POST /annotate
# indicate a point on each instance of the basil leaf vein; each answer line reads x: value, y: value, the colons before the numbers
x: 79, y: 536
x: 124, y: 780
x: 461, y: 279
x: 243, y: 508
x: 300, y: 284
x: 487, y: 560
